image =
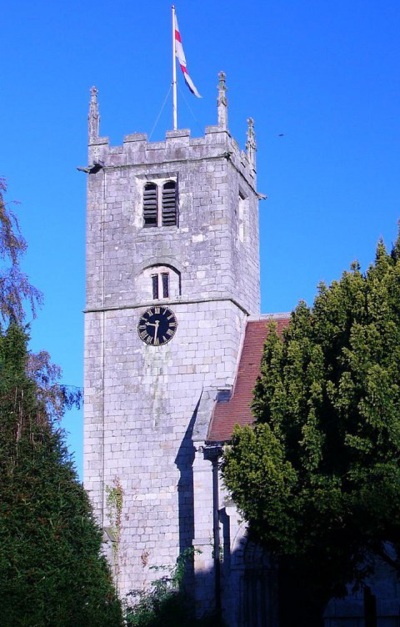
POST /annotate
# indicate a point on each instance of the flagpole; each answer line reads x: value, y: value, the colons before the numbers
x: 174, y: 89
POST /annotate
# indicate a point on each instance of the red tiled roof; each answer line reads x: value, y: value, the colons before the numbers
x: 237, y: 410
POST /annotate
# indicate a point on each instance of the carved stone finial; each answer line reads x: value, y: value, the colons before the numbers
x: 222, y: 102
x: 94, y: 116
x: 251, y: 145
x: 93, y: 94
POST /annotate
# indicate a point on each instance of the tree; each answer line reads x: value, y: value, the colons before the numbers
x: 318, y: 477
x: 15, y: 288
x: 51, y: 568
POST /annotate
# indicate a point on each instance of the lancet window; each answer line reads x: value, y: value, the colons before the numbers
x: 160, y: 285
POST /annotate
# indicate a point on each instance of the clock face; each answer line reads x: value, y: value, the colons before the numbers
x: 157, y: 326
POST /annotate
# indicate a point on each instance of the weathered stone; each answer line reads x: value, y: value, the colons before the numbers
x: 142, y: 400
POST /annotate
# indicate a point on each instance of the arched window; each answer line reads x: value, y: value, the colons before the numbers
x: 158, y: 282
x: 160, y: 285
x: 160, y: 205
x: 150, y: 204
x: 169, y: 212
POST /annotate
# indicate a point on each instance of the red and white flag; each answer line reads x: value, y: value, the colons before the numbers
x: 182, y: 60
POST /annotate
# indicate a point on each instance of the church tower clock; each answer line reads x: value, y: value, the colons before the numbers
x: 172, y: 277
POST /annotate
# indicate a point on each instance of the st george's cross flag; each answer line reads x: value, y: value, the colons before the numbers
x: 182, y: 60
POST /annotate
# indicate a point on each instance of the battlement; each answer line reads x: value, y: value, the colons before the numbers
x: 178, y: 145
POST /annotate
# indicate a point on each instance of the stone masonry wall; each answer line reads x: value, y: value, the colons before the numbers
x: 144, y: 443
x: 141, y: 400
x: 215, y: 259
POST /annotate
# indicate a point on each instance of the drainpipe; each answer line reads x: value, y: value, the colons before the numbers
x: 213, y: 453
x: 217, y: 563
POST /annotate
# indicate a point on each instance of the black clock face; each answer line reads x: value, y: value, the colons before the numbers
x: 157, y: 326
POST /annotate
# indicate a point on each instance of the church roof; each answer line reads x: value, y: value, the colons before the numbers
x: 235, y: 409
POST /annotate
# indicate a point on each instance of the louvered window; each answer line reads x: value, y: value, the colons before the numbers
x: 160, y: 205
x: 150, y: 205
x: 169, y: 204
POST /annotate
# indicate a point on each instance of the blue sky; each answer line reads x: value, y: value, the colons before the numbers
x: 321, y: 80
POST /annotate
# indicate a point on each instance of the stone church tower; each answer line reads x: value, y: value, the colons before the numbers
x: 172, y: 278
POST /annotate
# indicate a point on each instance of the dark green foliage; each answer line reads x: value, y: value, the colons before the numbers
x: 166, y: 604
x: 51, y: 571
x: 318, y: 478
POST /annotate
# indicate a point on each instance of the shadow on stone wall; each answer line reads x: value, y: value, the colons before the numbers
x: 184, y: 462
x: 250, y: 595
x: 377, y: 604
x: 244, y: 594
x: 248, y: 587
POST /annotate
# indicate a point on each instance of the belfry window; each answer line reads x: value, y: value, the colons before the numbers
x: 150, y: 204
x: 160, y: 204
x: 169, y: 204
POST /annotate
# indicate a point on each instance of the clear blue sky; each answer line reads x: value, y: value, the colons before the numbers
x: 326, y: 75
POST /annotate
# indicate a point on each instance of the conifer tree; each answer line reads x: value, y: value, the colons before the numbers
x: 318, y: 477
x: 51, y: 568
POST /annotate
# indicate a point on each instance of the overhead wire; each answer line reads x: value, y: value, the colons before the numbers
x: 160, y: 112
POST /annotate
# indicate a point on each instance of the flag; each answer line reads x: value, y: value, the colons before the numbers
x: 182, y: 60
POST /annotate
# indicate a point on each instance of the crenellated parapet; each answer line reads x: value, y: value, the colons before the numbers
x: 178, y: 146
